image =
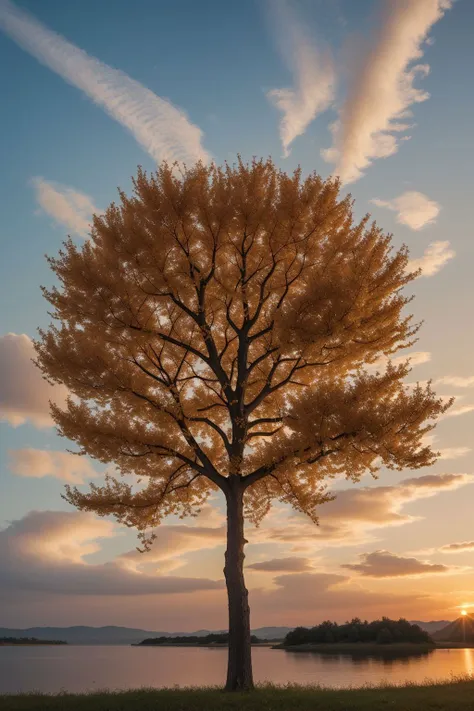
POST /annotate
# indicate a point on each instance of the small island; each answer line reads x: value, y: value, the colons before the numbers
x: 216, y: 639
x: 25, y: 641
x: 377, y: 637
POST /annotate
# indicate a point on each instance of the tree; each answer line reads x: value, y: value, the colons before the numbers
x: 384, y: 636
x: 213, y: 334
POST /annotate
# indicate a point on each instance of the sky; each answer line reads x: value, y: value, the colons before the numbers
x: 378, y: 92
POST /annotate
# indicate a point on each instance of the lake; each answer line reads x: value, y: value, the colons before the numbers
x: 84, y: 668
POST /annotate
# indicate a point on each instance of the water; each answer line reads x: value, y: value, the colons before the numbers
x: 83, y: 668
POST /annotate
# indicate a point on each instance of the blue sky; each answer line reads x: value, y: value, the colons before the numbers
x: 219, y: 65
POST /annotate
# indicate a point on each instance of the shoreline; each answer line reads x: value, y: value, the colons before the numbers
x: 203, y: 646
x: 457, y: 693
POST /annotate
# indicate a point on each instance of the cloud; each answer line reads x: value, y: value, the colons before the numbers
x: 38, y: 463
x: 65, y: 205
x: 434, y: 258
x: 446, y: 452
x: 453, y: 452
x: 457, y: 547
x: 292, y: 564
x: 456, y: 381
x: 46, y: 551
x: 457, y: 411
x: 415, y: 358
x: 356, y: 513
x: 314, y: 79
x: 162, y: 129
x: 383, y: 564
x: 24, y: 394
x: 378, y: 103
x: 309, y: 598
x: 413, y: 209
x: 171, y: 543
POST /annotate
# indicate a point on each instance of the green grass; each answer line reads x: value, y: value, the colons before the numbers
x: 455, y: 695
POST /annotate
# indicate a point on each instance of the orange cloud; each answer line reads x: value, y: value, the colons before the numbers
x: 38, y: 463
x: 458, y: 547
x: 355, y: 513
x: 24, y: 394
x: 383, y: 564
x: 291, y: 564
x: 46, y: 551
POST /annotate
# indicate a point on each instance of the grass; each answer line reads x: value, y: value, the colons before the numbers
x: 454, y: 695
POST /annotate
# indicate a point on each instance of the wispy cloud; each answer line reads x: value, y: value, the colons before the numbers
x: 458, y: 547
x: 38, y: 463
x: 162, y: 129
x: 378, y: 103
x: 413, y: 209
x: 457, y: 381
x: 434, y: 258
x: 356, y: 514
x: 415, y: 358
x: 291, y: 564
x: 383, y: 564
x: 67, y: 206
x: 457, y: 411
x: 453, y: 452
x: 313, y: 73
x: 445, y: 452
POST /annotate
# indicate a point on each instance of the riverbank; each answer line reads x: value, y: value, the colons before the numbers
x: 442, y: 696
x: 199, y: 646
x: 359, y: 648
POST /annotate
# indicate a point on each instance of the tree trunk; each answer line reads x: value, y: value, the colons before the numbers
x: 239, y: 669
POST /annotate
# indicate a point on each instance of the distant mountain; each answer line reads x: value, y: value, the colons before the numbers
x: 461, y: 630
x: 432, y: 626
x: 120, y: 635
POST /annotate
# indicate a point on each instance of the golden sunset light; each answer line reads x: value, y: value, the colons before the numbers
x: 237, y: 394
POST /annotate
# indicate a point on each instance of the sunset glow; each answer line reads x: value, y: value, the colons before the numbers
x: 85, y: 108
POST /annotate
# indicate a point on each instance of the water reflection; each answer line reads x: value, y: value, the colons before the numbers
x: 468, y: 661
x: 82, y: 668
x: 386, y: 657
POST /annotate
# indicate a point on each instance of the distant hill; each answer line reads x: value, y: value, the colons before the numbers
x: 461, y: 630
x: 121, y: 635
x: 432, y: 626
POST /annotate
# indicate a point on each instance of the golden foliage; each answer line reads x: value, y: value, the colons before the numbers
x: 215, y: 329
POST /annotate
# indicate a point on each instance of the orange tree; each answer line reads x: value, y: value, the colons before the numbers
x: 213, y: 334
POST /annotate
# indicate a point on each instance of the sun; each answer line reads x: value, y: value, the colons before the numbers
x: 463, y: 613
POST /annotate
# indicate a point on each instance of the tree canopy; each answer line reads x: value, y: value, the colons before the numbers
x: 384, y: 631
x: 218, y: 322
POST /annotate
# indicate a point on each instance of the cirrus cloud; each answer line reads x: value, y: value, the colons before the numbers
x: 162, y: 129
x: 314, y: 78
x: 378, y: 103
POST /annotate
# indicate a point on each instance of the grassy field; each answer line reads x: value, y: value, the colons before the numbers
x: 457, y: 695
